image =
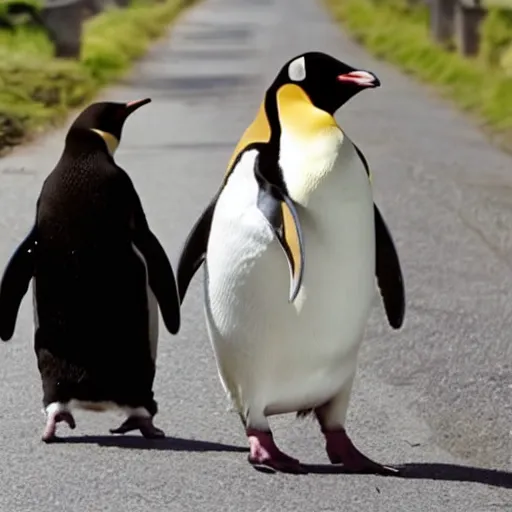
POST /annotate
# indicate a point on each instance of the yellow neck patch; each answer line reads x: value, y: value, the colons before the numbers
x: 298, y: 115
x: 257, y: 131
x: 111, y: 141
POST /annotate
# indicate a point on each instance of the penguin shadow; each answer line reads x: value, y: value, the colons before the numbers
x: 457, y: 473
x: 135, y: 442
x: 422, y: 471
x: 433, y: 471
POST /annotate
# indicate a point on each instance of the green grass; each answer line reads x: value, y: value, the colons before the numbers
x: 507, y: 4
x: 400, y: 35
x: 37, y: 89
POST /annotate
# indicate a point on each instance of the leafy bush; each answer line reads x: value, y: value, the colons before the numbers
x: 13, y: 12
x: 496, y: 35
x: 393, y: 34
x: 36, y: 88
x: 506, y: 61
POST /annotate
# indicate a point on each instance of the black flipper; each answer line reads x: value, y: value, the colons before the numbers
x: 389, y: 273
x: 193, y: 253
x: 363, y: 159
x: 283, y: 218
x: 160, y: 273
x: 15, y: 282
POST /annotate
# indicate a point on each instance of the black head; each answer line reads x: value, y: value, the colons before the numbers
x: 328, y: 82
x: 106, y: 120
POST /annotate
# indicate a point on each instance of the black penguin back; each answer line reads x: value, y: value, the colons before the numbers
x: 92, y: 332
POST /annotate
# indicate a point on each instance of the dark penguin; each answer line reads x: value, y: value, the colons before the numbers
x: 98, y: 273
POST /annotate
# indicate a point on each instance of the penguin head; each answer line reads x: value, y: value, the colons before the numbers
x: 105, y: 120
x: 328, y: 82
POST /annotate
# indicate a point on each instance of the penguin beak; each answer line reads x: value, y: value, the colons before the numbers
x: 132, y: 106
x: 361, y: 78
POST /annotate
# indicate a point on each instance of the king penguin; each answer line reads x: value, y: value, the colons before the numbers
x: 294, y: 248
x: 98, y: 276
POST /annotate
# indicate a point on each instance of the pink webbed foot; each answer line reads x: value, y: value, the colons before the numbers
x: 144, y: 425
x: 266, y: 456
x: 340, y: 449
x: 55, y: 417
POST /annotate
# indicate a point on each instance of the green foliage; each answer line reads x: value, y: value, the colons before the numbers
x: 36, y: 88
x: 23, y: 41
x: 496, y: 35
x: 115, y: 39
x: 506, y: 61
x: 393, y: 34
x: 13, y: 12
x: 6, y: 4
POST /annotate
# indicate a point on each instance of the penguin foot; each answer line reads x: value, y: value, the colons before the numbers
x: 340, y: 449
x: 266, y: 456
x: 144, y: 425
x: 51, y: 425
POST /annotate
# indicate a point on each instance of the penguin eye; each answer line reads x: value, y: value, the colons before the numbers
x: 297, y: 69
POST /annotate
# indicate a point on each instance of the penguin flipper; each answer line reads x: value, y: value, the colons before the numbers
x: 193, y: 252
x: 15, y: 282
x: 364, y: 161
x: 389, y: 273
x: 281, y: 214
x: 160, y: 272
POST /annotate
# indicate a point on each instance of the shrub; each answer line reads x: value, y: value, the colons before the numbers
x: 391, y: 32
x: 36, y: 88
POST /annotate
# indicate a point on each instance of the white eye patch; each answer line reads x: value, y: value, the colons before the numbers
x: 297, y: 69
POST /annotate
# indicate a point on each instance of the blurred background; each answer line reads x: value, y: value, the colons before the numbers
x: 435, y: 396
x: 56, y: 54
x: 471, y: 59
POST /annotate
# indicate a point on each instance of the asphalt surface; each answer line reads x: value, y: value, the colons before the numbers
x: 436, y: 396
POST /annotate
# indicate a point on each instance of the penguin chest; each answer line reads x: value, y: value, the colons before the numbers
x: 292, y: 356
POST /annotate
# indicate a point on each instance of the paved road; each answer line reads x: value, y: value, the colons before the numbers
x: 436, y: 396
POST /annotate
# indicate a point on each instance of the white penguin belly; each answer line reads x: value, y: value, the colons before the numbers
x: 276, y: 356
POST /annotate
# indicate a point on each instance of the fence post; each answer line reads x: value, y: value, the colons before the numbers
x: 95, y: 7
x: 63, y: 21
x: 442, y: 17
x: 468, y: 19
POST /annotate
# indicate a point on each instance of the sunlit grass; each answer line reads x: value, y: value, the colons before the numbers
x: 36, y: 88
x: 401, y: 36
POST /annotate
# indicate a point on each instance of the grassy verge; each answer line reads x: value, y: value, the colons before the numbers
x: 36, y: 89
x: 400, y: 35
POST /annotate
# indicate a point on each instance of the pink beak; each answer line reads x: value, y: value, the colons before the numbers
x: 131, y: 106
x: 361, y: 78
